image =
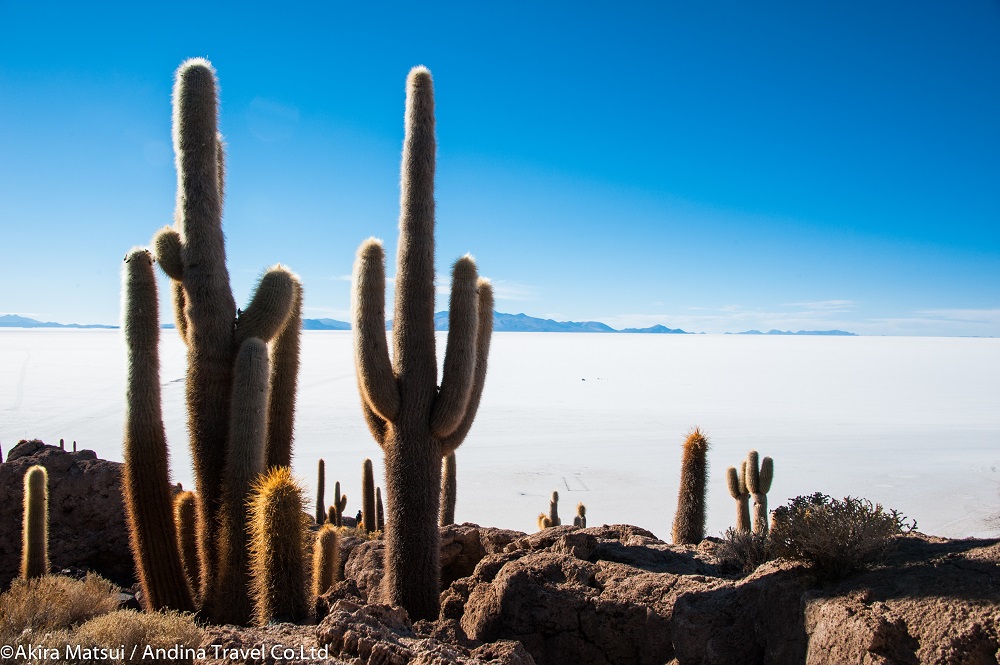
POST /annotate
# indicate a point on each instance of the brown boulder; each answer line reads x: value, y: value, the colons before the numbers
x: 87, y: 527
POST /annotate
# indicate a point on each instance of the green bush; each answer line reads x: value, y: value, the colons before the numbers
x: 835, y: 537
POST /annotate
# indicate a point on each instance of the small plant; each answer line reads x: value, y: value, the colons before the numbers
x: 581, y: 516
x: 53, y: 602
x: 836, y: 537
x: 154, y: 637
x: 744, y: 551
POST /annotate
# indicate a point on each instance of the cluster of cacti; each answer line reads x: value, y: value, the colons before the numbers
x: 449, y: 490
x: 414, y: 421
x: 321, y: 512
x: 326, y: 559
x: 552, y: 519
x: 689, y: 522
x: 278, y: 525
x: 35, y: 539
x: 240, y: 394
x: 751, y: 480
x: 369, y: 523
x: 581, y: 516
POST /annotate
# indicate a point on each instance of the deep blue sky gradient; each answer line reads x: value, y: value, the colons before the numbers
x: 711, y: 166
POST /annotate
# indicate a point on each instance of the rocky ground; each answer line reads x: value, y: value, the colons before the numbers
x: 606, y: 594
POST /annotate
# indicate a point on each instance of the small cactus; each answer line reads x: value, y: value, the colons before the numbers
x: 689, y: 523
x: 543, y: 521
x: 758, y: 481
x: 277, y: 548
x: 554, y: 510
x: 379, y: 512
x: 449, y: 490
x: 326, y: 559
x: 581, y: 516
x: 320, y: 492
x: 368, y: 497
x: 35, y: 541
x: 62, y: 444
x: 339, y: 504
x: 737, y: 483
x: 331, y: 515
x: 185, y: 519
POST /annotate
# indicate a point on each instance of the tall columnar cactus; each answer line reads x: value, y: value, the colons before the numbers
x: 326, y: 559
x: 339, y: 503
x: 35, y: 539
x: 192, y: 253
x: 449, y: 490
x: 554, y: 510
x: 368, y: 496
x: 738, y: 490
x: 689, y: 523
x: 277, y: 548
x: 186, y: 521
x: 758, y: 481
x: 379, y: 510
x: 414, y: 422
x: 581, y: 516
x: 145, y: 481
x: 320, y: 492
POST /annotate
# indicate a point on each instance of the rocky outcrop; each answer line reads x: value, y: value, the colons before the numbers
x: 87, y: 526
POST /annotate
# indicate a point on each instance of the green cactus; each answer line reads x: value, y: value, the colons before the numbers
x: 689, y: 523
x: 186, y: 523
x: 278, y: 524
x: 449, y: 489
x: 145, y: 479
x: 368, y: 497
x: 192, y: 253
x: 581, y: 516
x: 320, y: 492
x: 331, y: 515
x: 35, y: 539
x: 379, y: 511
x: 414, y: 422
x: 244, y: 464
x: 758, y: 481
x: 737, y: 483
x: 339, y: 504
x: 326, y: 559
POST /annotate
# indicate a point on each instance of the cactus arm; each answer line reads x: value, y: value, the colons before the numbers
x: 145, y: 475
x: 753, y: 472
x: 766, y: 475
x: 284, y: 381
x: 166, y: 247
x: 180, y: 318
x: 376, y: 381
x: 269, y: 308
x: 379, y: 510
x: 484, y: 334
x: 186, y: 521
x: 733, y: 481
x: 460, y: 359
x: 413, y: 320
x: 220, y: 162
x: 449, y: 490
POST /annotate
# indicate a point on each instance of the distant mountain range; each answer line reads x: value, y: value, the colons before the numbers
x: 15, y: 321
x: 501, y: 323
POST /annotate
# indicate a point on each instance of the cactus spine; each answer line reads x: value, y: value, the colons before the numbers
x: 379, y: 512
x: 277, y: 540
x: 326, y: 559
x: 737, y: 483
x: 368, y: 496
x: 581, y: 516
x: 758, y: 480
x: 192, y: 253
x: 449, y: 490
x: 415, y: 423
x: 145, y: 481
x: 689, y: 523
x: 320, y: 493
x: 185, y: 519
x: 35, y: 540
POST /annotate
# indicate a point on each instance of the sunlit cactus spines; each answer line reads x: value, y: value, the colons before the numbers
x: 368, y: 497
x: 413, y: 419
x: 449, y: 490
x: 326, y: 559
x: 284, y: 384
x: 35, y: 538
x: 186, y: 522
x: 738, y: 490
x: 544, y: 522
x: 758, y: 481
x: 580, y: 519
x: 689, y: 522
x: 145, y: 474
x: 278, y: 526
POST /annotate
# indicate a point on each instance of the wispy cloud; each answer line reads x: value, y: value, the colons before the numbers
x: 824, y: 305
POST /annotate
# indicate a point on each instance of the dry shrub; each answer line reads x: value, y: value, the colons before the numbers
x: 835, y: 537
x: 744, y: 551
x: 54, y: 602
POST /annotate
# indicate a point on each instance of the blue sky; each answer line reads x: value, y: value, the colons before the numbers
x: 708, y: 166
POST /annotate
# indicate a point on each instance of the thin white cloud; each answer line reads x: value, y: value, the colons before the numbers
x: 824, y: 305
